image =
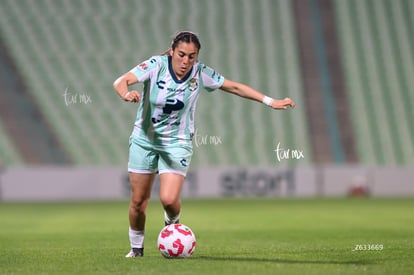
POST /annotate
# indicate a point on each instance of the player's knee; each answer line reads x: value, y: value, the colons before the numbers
x: 169, y: 201
x: 139, y: 204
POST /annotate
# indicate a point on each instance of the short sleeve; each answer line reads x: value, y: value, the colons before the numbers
x: 211, y: 79
x: 143, y: 70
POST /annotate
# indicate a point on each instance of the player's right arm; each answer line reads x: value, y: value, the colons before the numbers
x: 121, y: 87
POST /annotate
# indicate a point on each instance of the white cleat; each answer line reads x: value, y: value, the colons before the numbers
x: 135, y: 252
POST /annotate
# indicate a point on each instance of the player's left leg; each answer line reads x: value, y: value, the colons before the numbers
x: 170, y: 191
x: 173, y: 165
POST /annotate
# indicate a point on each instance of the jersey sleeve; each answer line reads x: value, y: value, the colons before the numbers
x: 143, y: 70
x: 211, y: 79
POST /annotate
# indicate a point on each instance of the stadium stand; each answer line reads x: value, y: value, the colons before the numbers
x: 70, y: 52
x: 378, y: 53
x: 8, y: 152
x: 330, y: 129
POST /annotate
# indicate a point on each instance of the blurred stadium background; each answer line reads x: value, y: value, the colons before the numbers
x: 348, y: 64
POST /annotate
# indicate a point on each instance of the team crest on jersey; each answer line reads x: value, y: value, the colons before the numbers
x: 193, y: 85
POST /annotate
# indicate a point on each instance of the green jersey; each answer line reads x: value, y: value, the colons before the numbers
x: 166, y: 111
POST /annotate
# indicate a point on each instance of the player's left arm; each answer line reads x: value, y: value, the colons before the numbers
x: 250, y: 93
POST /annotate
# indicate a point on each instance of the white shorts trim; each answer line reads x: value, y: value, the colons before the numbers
x: 172, y: 172
x: 139, y: 171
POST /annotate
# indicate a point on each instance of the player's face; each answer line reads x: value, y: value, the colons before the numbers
x: 183, y: 58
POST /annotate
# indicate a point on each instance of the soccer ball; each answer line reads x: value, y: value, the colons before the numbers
x: 176, y: 241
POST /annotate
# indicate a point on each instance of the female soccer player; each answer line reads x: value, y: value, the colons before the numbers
x: 161, y: 141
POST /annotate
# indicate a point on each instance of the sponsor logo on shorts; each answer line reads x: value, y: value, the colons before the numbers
x: 183, y: 162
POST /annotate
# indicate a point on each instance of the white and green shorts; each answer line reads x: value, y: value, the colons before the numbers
x: 147, y: 158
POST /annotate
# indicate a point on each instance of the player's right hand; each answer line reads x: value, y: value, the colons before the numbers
x: 132, y: 96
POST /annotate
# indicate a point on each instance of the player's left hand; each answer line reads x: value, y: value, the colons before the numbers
x: 283, y: 104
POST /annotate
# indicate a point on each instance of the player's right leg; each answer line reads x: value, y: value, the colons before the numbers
x: 141, y: 186
x: 142, y: 166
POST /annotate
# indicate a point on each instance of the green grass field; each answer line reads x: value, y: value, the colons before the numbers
x: 234, y: 236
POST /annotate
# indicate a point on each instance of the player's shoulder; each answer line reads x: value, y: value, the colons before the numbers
x: 151, y: 63
x: 206, y: 70
x: 201, y: 67
x: 156, y: 60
